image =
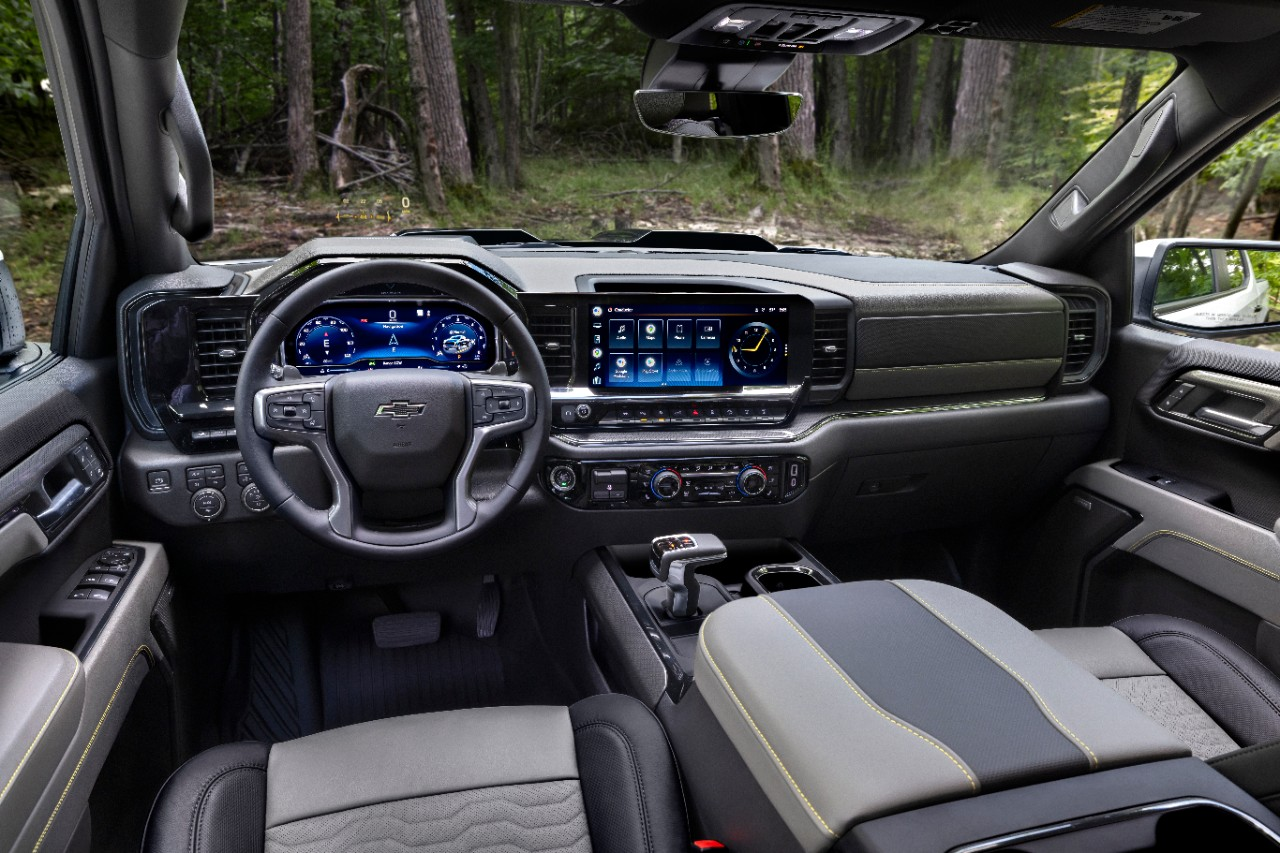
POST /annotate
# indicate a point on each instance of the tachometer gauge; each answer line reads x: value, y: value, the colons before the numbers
x: 459, y: 337
x: 755, y: 350
x: 325, y: 340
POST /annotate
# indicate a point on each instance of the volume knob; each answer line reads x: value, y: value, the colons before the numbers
x: 666, y: 484
x: 752, y: 481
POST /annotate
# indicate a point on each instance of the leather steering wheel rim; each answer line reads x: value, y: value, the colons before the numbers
x: 468, y: 516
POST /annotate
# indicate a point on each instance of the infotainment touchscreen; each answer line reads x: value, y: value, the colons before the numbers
x: 713, y: 343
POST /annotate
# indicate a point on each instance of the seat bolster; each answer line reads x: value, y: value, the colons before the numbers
x: 1105, y: 652
x: 630, y: 784
x: 1232, y: 686
x: 215, y: 803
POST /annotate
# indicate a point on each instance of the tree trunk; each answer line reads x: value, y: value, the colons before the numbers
x: 1275, y: 227
x: 302, y: 123
x: 902, y: 121
x: 1001, y: 106
x: 1248, y: 189
x: 1181, y: 225
x: 933, y: 94
x: 427, y: 148
x: 1134, y: 73
x: 769, y: 162
x: 677, y: 149
x: 341, y: 169
x: 800, y: 142
x: 838, y: 115
x: 980, y: 101
x: 444, y: 95
x: 486, y: 129
x: 507, y: 25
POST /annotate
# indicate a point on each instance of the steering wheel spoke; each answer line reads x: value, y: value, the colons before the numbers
x: 499, y: 407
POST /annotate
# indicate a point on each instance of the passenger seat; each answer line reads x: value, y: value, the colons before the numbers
x: 1211, y: 694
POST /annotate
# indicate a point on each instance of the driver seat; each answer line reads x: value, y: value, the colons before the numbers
x: 597, y: 775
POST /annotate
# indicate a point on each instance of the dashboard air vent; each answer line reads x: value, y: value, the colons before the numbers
x: 552, y: 330
x: 830, y: 347
x: 1082, y: 335
x: 221, y: 340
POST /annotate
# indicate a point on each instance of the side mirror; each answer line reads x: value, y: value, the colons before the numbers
x: 13, y: 335
x: 724, y: 115
x: 1214, y: 285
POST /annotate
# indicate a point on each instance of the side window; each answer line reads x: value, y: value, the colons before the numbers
x: 37, y: 206
x: 1211, y: 266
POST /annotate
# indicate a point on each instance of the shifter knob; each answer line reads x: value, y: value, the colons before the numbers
x: 675, y: 559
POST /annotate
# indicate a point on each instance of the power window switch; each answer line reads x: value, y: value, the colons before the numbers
x: 103, y: 580
x: 90, y: 595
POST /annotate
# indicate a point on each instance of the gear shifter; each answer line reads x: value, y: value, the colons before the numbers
x: 675, y: 559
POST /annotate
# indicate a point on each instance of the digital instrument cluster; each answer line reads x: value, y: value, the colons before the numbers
x: 375, y: 334
x: 653, y: 345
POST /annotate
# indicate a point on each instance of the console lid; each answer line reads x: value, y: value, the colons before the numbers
x: 865, y: 699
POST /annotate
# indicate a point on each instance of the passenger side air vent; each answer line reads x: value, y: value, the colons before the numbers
x: 1083, y: 353
x: 830, y: 347
x: 552, y: 330
x: 221, y: 340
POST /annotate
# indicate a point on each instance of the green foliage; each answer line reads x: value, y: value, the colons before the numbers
x: 21, y: 62
x: 1185, y: 273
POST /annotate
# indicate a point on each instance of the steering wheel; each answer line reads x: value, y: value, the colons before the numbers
x: 397, y: 430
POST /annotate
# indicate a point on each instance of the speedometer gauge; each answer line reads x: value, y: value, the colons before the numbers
x: 459, y: 337
x: 325, y: 340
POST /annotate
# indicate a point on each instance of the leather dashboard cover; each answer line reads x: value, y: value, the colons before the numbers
x: 860, y: 700
x: 41, y: 701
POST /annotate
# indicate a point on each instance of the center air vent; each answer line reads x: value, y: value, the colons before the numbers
x: 1083, y: 354
x: 830, y: 347
x: 221, y: 340
x: 552, y: 330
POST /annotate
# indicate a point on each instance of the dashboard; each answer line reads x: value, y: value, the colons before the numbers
x: 372, y: 334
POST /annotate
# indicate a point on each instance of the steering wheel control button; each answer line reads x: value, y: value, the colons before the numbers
x: 253, y: 500
x: 159, y: 481
x: 563, y: 479
x: 208, y: 504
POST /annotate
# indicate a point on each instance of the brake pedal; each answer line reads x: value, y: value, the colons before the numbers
x: 401, y: 630
x: 490, y: 607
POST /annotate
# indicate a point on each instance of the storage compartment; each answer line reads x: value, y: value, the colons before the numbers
x: 745, y: 555
x: 781, y: 577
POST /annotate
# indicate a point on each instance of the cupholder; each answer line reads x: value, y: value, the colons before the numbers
x: 780, y: 577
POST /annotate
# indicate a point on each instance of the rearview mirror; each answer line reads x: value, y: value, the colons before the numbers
x: 725, y: 115
x: 1225, y: 285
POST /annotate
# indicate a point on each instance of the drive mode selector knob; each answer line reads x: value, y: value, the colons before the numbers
x: 563, y: 479
x: 752, y: 481
x: 666, y: 484
x: 208, y: 504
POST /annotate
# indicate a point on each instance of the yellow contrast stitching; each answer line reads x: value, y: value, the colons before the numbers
x: 973, y: 784
x: 40, y: 734
x: 1093, y: 759
x: 794, y: 784
x: 88, y: 746
x: 1194, y: 541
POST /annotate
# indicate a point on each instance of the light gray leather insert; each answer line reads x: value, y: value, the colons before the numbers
x: 543, y: 816
x: 417, y: 756
x: 824, y: 753
x: 1105, y: 652
x: 41, y: 700
x: 1108, y: 728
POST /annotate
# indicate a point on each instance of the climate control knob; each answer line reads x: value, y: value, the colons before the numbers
x: 666, y: 484
x: 752, y: 481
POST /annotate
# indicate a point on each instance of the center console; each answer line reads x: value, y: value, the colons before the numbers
x: 677, y: 482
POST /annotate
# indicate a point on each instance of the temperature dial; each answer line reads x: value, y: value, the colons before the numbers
x: 666, y: 484
x: 752, y: 481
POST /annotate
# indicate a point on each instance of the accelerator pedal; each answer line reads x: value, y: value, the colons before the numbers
x: 402, y: 630
x: 490, y: 607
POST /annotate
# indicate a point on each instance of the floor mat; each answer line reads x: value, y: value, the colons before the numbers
x: 360, y: 681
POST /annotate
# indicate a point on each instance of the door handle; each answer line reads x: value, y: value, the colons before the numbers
x: 1213, y: 416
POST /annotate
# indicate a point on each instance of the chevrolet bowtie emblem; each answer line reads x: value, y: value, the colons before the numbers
x: 400, y: 409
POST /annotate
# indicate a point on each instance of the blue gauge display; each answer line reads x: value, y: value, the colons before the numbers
x: 349, y: 335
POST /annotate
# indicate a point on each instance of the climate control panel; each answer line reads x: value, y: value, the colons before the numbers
x: 653, y: 483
